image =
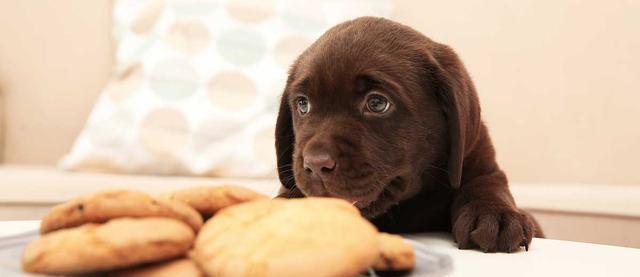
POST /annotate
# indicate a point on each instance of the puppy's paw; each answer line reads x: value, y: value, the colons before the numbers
x: 492, y: 228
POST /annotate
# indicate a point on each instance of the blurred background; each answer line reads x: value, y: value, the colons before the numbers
x: 158, y: 94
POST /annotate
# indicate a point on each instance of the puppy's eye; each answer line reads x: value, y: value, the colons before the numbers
x: 303, y: 105
x: 377, y: 103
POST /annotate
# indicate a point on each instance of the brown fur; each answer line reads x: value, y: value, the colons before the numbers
x: 427, y: 164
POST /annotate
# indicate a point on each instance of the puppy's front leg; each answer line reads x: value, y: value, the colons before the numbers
x: 484, y: 215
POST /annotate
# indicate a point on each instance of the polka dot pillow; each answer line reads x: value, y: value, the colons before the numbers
x: 197, y: 83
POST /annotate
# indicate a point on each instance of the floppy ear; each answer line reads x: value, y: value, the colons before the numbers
x: 285, y: 140
x: 459, y: 99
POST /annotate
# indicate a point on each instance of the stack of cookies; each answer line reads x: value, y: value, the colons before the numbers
x: 130, y: 233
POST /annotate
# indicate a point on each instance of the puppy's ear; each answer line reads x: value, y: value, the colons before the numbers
x: 285, y: 140
x: 459, y: 100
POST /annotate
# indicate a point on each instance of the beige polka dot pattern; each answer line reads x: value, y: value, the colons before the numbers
x: 188, y: 37
x: 251, y: 11
x: 232, y: 91
x: 125, y: 83
x: 163, y: 132
x: 147, y: 17
x: 288, y: 48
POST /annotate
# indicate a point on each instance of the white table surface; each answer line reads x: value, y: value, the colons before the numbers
x: 545, y: 257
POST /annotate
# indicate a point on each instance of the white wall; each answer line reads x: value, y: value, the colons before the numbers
x: 559, y: 81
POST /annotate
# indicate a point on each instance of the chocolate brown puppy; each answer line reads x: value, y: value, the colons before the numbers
x: 376, y: 113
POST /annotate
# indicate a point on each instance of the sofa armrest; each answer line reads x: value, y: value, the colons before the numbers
x: 45, y: 185
x: 606, y: 200
x: 28, y: 192
x: 607, y: 214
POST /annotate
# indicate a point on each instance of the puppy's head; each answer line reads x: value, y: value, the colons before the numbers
x: 368, y: 110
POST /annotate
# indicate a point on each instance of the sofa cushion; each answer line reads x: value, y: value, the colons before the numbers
x: 197, y: 85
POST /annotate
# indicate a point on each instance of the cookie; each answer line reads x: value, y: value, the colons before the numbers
x: 287, y: 237
x: 210, y: 199
x: 395, y: 254
x: 182, y: 267
x: 119, y: 243
x: 103, y: 206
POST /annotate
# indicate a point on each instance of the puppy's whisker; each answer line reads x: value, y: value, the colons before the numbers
x: 289, y: 179
x: 285, y: 170
x: 290, y: 185
x: 285, y: 165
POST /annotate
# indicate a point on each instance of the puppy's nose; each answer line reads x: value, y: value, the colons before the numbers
x: 319, y: 163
